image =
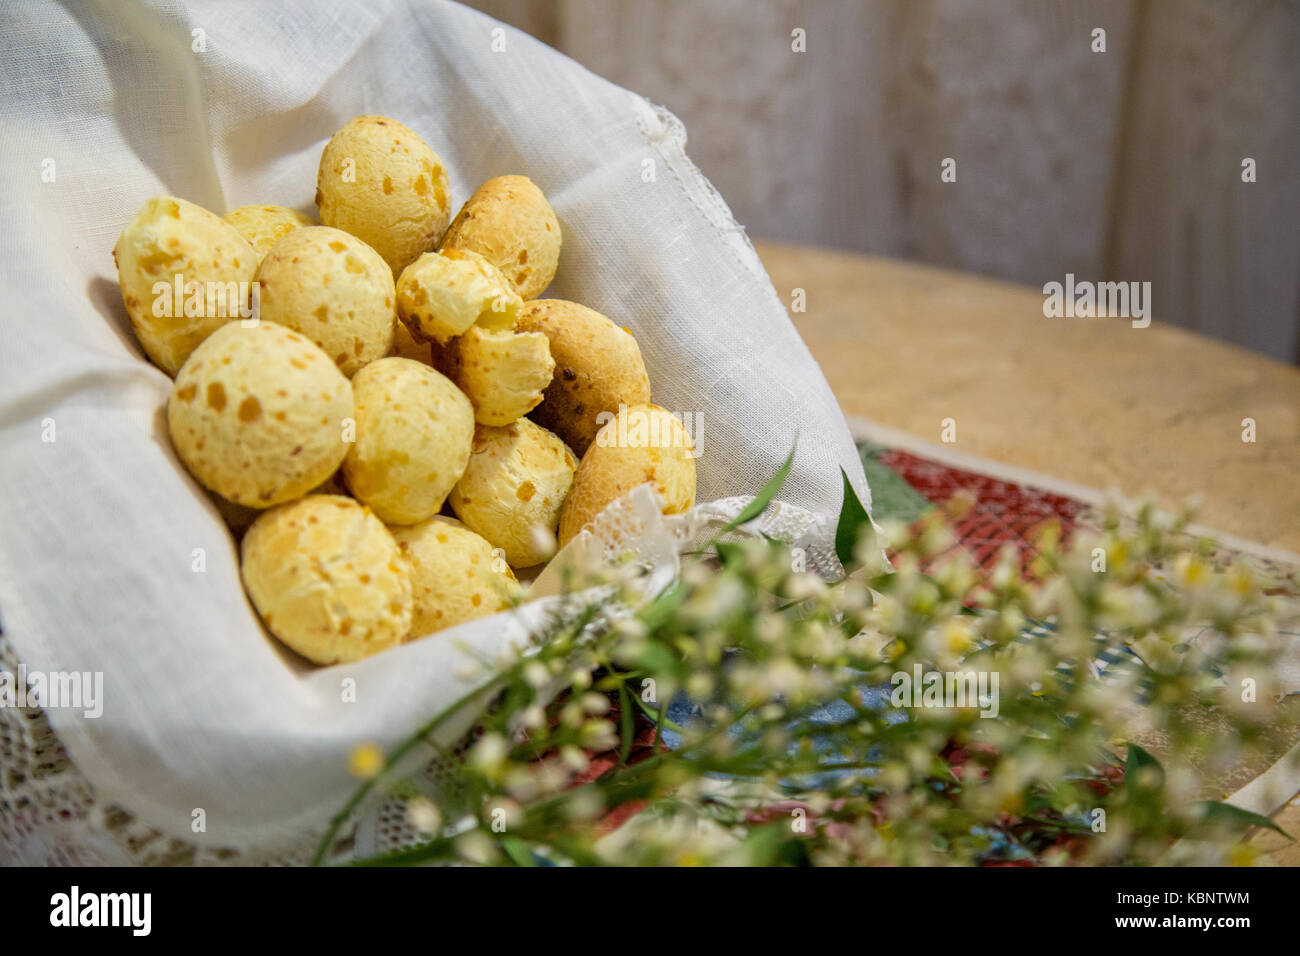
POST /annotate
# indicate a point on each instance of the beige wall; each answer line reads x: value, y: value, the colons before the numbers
x: 1123, y: 165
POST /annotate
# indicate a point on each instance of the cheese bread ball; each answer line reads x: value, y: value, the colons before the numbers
x: 264, y: 226
x: 258, y: 414
x: 172, y: 239
x: 328, y: 579
x: 512, y: 491
x: 504, y: 374
x: 379, y: 181
x: 598, y: 367
x: 454, y: 574
x: 509, y: 222
x: 334, y: 289
x: 646, y: 445
x: 414, y: 430
x: 441, y: 294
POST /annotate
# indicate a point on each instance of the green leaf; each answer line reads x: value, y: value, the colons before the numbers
x: 625, y: 723
x: 517, y: 851
x: 729, y: 552
x: 1213, y: 812
x: 852, y: 518
x: 764, y: 496
x: 658, y: 717
x: 1136, y: 761
x: 662, y: 607
x: 763, y: 844
x: 656, y: 659
x: 891, y: 496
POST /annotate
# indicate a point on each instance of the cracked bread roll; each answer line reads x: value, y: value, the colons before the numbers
x: 414, y: 430
x: 334, y: 289
x: 504, y: 374
x: 328, y: 579
x: 455, y: 574
x: 644, y: 444
x: 258, y: 414
x: 512, y: 490
x: 264, y: 226
x: 510, y: 224
x: 172, y: 240
x: 441, y: 294
x: 598, y: 367
x: 381, y: 182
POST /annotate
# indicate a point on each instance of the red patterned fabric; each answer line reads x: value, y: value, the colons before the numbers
x: 1003, y: 513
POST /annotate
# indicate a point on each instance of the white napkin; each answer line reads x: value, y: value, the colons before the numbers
x: 231, y: 103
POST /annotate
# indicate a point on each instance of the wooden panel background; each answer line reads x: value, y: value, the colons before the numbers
x: 1123, y: 165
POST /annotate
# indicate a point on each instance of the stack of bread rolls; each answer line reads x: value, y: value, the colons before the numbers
x: 386, y: 414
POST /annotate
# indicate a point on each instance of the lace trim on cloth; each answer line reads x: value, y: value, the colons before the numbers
x: 50, y: 815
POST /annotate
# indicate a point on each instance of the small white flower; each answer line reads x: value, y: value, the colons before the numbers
x: 423, y: 815
x: 574, y: 758
x: 488, y: 754
x: 804, y: 587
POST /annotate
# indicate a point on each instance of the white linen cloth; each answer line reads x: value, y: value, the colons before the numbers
x: 106, y: 104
